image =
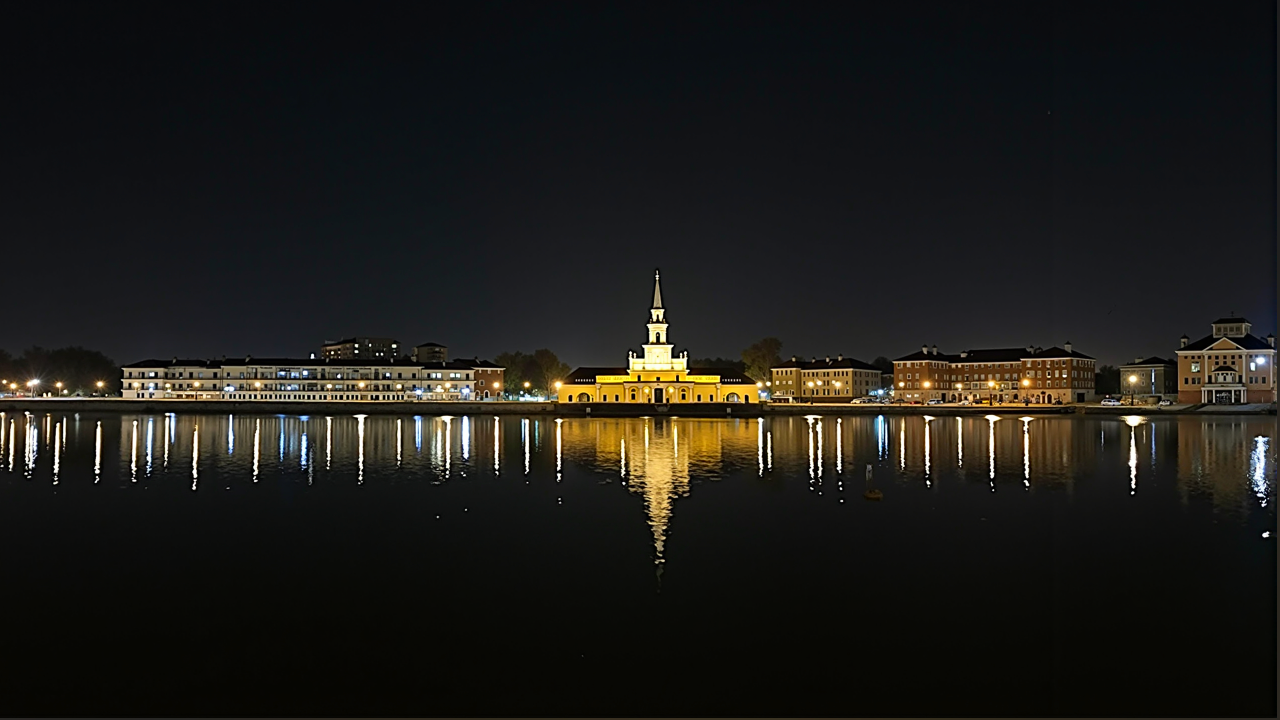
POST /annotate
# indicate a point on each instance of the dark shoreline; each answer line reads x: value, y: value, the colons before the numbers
x: 707, y: 410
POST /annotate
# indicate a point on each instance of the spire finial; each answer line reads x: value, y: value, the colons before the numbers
x: 657, y: 290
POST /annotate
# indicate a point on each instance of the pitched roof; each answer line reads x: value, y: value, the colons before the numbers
x: 919, y: 355
x: 1248, y: 342
x: 1225, y: 368
x: 1057, y: 352
x: 429, y: 345
x: 587, y: 375
x: 994, y: 355
x: 153, y: 363
x: 1221, y: 321
x: 1153, y: 360
x: 842, y: 363
x: 727, y: 376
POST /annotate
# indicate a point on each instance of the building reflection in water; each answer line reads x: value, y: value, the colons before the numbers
x: 1225, y: 459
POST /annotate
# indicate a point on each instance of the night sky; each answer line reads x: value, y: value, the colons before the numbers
x: 223, y: 179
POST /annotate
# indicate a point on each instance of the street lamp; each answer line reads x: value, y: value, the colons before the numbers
x: 32, y: 384
x: 100, y: 385
x: 991, y: 392
x: 1025, y: 384
x: 1133, y: 379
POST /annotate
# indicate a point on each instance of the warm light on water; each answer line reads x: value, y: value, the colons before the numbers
x: 597, y: 544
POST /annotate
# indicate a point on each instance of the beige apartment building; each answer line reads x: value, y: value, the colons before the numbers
x: 1028, y: 374
x: 361, y: 348
x: 823, y: 380
x: 1228, y: 366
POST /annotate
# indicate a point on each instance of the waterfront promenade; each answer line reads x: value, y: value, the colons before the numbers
x: 706, y: 410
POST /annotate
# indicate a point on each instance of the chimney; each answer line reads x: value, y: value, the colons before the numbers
x: 1271, y: 340
x: 935, y: 349
x: 1185, y: 339
x: 924, y: 349
x: 839, y: 356
x: 175, y: 359
x: 1030, y: 350
x: 828, y: 358
x: 1067, y: 347
x: 964, y: 353
x: 793, y: 358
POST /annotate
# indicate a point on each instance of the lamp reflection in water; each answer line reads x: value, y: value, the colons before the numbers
x: 1026, y: 453
x: 810, y: 433
x: 168, y: 437
x: 524, y: 440
x: 622, y: 458
x: 57, y: 452
x: 231, y: 435
x: 927, y: 464
x: 360, y: 452
x: 759, y: 447
x: 466, y: 437
x: 768, y: 450
x: 133, y: 461
x: 257, y: 444
x: 839, y: 447
x: 302, y: 457
x: 328, y: 442
x: 97, y: 452
x: 417, y: 433
x: 13, y: 435
x: 398, y: 443
x: 818, y: 431
x: 959, y: 442
x: 902, y: 444
x: 448, y: 445
x: 195, y: 456
x: 558, y: 422
x: 991, y: 447
x: 1258, y: 468
x: 495, y: 444
x: 151, y: 427
x: 1133, y: 421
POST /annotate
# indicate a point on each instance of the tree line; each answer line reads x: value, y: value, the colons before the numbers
x: 78, y: 369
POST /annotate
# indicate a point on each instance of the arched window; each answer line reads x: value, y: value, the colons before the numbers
x: 658, y: 337
x: 731, y: 397
x: 583, y: 397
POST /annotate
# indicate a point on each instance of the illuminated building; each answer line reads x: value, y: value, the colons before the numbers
x: 285, y: 379
x: 1058, y: 374
x: 360, y: 347
x: 1230, y: 365
x: 431, y: 352
x: 1149, y: 378
x: 826, y: 380
x: 658, y: 376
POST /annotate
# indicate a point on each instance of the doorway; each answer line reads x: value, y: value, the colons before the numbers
x: 657, y: 395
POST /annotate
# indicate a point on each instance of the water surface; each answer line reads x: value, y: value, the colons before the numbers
x: 382, y: 565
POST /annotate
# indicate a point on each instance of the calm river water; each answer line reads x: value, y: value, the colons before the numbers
x: 210, y: 565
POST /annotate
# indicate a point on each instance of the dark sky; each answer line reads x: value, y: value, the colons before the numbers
x: 224, y: 179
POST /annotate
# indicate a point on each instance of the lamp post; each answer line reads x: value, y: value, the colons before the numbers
x: 926, y: 387
x: 1025, y: 384
x: 991, y: 392
x: 1133, y: 380
x: 100, y: 386
x: 59, y: 386
x: 959, y: 392
x: 31, y: 384
x: 497, y: 388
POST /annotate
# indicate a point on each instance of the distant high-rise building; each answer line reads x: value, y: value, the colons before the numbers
x: 361, y: 348
x: 431, y: 352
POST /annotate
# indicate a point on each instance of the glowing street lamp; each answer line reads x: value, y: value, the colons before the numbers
x: 991, y: 392
x: 1133, y: 380
x: 32, y: 384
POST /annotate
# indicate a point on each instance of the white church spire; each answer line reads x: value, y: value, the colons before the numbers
x: 657, y: 291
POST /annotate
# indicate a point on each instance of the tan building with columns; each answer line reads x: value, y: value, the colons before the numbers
x: 1228, y: 366
x: 658, y: 376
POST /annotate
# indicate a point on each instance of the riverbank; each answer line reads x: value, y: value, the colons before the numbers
x: 707, y: 410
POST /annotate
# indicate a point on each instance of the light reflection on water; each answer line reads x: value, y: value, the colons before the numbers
x: 1223, y: 459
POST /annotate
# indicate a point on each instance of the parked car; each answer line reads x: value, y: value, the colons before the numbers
x: 864, y: 400
x: 966, y: 402
x: 934, y: 401
x: 1165, y: 403
x: 1111, y: 402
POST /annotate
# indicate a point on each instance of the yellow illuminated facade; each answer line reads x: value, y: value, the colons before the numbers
x: 659, y: 376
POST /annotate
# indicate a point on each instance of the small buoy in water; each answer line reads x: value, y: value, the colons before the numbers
x: 873, y: 495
